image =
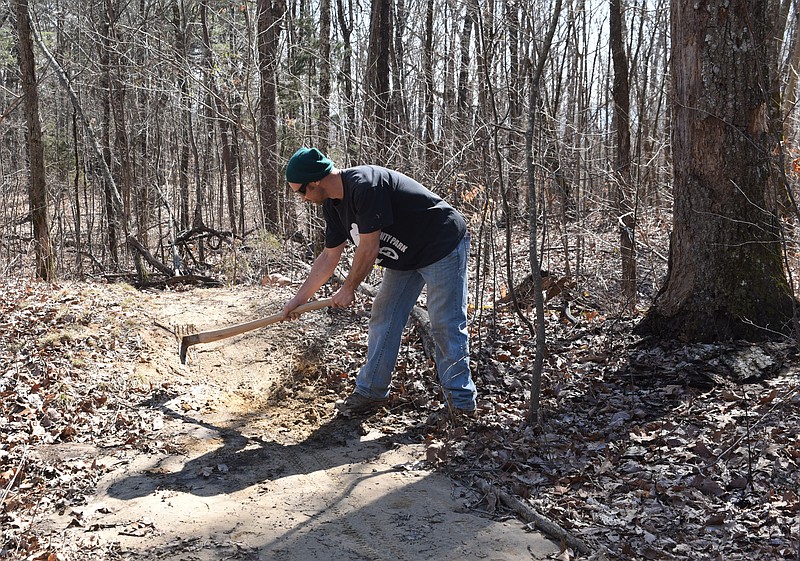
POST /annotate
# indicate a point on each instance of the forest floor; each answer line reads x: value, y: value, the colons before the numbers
x: 111, y: 449
x: 114, y: 450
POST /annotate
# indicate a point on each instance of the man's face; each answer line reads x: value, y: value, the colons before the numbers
x: 309, y: 192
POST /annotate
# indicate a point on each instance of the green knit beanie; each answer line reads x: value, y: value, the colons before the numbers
x: 307, y: 165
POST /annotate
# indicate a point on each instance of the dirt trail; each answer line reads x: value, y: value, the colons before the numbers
x: 250, y: 463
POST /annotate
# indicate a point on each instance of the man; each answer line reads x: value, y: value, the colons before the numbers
x: 420, y: 241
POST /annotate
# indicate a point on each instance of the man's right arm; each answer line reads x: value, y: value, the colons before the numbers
x: 322, y: 269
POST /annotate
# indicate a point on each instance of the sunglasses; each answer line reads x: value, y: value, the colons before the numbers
x: 302, y: 189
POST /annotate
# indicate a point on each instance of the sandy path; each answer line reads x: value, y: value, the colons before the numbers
x: 237, y: 474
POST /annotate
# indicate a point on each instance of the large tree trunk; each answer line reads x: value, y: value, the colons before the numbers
x: 37, y: 193
x: 270, y: 13
x: 725, y: 279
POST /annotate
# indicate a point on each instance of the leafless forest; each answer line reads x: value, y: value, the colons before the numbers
x: 165, y: 125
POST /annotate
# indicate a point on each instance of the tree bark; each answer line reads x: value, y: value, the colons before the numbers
x: 37, y: 192
x: 622, y: 164
x: 113, y: 212
x: 184, y: 132
x: 792, y: 68
x: 377, y: 78
x: 725, y: 279
x: 117, y: 99
x: 427, y: 127
x: 324, y: 75
x: 464, y: 64
x: 345, y: 18
x: 270, y: 13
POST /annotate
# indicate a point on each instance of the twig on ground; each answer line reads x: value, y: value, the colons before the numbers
x: 530, y: 515
x: 16, y: 474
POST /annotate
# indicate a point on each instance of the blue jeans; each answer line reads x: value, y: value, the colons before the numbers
x: 446, y: 282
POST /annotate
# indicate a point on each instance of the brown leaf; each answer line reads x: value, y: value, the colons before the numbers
x: 702, y: 450
x: 68, y: 433
x: 707, y: 486
x: 738, y: 483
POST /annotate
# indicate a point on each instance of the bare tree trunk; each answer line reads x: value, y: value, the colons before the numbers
x: 324, y: 75
x: 377, y: 79
x: 111, y: 210
x: 792, y: 69
x: 792, y: 65
x: 78, y: 219
x: 270, y: 13
x: 37, y: 192
x: 427, y: 127
x: 516, y: 78
x: 533, y: 110
x: 117, y: 104
x: 725, y: 278
x: 464, y: 64
x: 622, y: 164
x: 345, y: 18
x: 184, y: 110
x: 324, y: 109
x: 484, y: 30
x: 398, y: 109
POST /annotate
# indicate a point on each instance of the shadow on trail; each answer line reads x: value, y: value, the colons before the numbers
x: 241, y: 461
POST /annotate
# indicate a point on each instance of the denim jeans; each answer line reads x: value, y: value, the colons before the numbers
x: 446, y: 282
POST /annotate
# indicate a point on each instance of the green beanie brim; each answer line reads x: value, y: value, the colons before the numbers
x: 306, y: 165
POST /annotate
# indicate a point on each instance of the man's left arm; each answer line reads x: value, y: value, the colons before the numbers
x: 363, y: 261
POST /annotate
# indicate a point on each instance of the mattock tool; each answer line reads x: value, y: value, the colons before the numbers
x: 215, y: 335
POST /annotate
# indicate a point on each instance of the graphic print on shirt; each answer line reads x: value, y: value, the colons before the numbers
x: 354, y: 234
x: 388, y: 250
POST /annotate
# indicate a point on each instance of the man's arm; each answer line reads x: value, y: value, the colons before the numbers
x: 321, y: 271
x: 363, y: 261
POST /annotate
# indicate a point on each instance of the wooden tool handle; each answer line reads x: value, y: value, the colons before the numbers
x: 211, y: 336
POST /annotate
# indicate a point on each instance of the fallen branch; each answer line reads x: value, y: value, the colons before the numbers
x: 138, y: 249
x: 181, y: 279
x: 17, y: 472
x: 528, y: 514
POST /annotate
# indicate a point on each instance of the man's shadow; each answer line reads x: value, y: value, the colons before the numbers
x: 242, y: 461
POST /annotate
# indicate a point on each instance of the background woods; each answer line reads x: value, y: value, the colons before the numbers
x: 165, y: 126
x: 193, y: 107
